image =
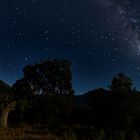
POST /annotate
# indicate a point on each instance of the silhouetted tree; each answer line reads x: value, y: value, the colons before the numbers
x: 121, y: 90
x: 22, y: 88
x: 45, y: 90
x: 121, y: 85
x: 46, y: 77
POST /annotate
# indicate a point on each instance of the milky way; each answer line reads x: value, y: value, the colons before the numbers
x: 122, y: 19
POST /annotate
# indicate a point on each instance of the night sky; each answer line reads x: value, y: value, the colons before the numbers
x: 100, y: 37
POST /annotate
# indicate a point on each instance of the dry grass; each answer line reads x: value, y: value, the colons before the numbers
x: 21, y: 134
x: 37, y: 134
x: 28, y: 133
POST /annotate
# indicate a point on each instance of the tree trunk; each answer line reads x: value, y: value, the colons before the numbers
x: 4, y: 118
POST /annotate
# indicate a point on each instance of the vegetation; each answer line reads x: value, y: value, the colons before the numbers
x: 42, y: 105
x: 7, y: 103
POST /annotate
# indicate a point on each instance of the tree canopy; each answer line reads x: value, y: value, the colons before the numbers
x: 47, y: 77
x: 122, y: 83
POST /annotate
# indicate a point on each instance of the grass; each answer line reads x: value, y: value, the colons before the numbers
x: 27, y: 133
x: 22, y: 134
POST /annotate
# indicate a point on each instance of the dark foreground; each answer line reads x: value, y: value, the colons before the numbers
x: 78, y: 133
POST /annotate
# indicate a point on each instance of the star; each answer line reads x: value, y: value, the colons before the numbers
x: 26, y: 59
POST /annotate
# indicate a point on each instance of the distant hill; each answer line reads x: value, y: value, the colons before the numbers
x: 81, y: 100
x: 5, y: 89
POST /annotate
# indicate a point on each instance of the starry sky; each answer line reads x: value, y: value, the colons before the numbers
x: 100, y: 37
